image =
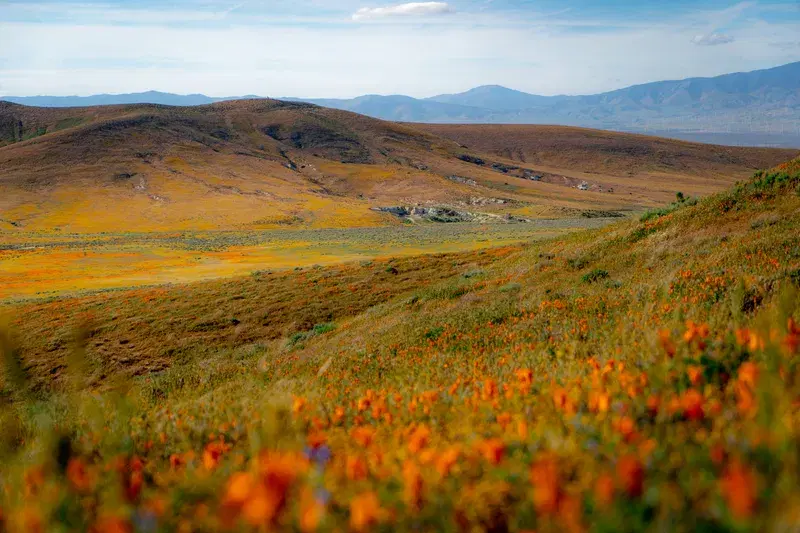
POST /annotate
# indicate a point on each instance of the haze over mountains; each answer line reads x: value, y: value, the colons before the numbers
x: 758, y: 108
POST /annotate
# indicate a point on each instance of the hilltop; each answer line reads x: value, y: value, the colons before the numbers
x: 642, y: 376
x: 276, y: 164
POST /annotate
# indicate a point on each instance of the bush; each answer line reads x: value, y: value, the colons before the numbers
x: 318, y: 329
x: 595, y: 275
x: 511, y: 287
x: 577, y: 263
x: 434, y: 333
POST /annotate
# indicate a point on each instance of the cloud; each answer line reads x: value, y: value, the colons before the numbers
x: 712, y: 39
x: 526, y: 51
x: 410, y: 9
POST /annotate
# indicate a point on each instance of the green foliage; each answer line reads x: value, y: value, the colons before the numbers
x: 511, y: 287
x: 577, y: 263
x: 595, y: 275
x: 299, y: 337
x: 434, y: 333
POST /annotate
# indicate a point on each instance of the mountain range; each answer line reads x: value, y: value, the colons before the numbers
x: 756, y: 108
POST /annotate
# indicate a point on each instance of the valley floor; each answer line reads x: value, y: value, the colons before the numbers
x: 38, y: 265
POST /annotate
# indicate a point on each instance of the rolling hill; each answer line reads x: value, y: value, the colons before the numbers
x: 273, y: 164
x: 749, y: 108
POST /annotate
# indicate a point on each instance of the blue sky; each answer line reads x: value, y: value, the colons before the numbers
x: 344, y: 48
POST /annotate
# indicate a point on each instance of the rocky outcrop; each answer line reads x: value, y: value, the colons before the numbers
x: 445, y: 214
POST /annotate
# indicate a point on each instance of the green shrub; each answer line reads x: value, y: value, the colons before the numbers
x: 595, y: 275
x: 511, y: 287
x: 578, y: 263
x: 434, y: 333
x: 319, y: 329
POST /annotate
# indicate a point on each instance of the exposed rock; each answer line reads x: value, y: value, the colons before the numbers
x: 445, y: 214
x: 461, y: 179
x: 472, y: 159
x: 505, y: 169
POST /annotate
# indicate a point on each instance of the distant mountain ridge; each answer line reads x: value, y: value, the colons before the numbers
x: 759, y: 107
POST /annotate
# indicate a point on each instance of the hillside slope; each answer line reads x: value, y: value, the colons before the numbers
x: 272, y: 164
x: 641, y: 377
x: 606, y: 152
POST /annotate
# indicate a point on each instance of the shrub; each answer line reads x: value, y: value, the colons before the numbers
x: 434, y: 333
x: 595, y: 275
x: 511, y: 287
x: 577, y: 263
x: 319, y: 329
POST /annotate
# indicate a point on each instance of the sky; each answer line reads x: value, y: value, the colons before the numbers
x: 346, y: 48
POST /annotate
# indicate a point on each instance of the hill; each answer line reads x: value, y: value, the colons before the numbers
x: 744, y: 109
x: 643, y: 376
x: 275, y: 164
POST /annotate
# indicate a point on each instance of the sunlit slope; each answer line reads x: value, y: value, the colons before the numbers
x: 632, y: 164
x: 270, y: 164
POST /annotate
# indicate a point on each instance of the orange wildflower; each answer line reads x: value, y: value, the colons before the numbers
x: 748, y: 373
x: 363, y: 435
x: 239, y: 487
x: 695, y: 374
x: 604, y: 490
x: 365, y: 511
x: 696, y: 333
x: 524, y: 378
x: 176, y: 461
x: 627, y: 427
x: 562, y: 402
x: 738, y: 486
x: 356, y: 468
x: 489, y: 391
x: 665, y: 341
x: 599, y: 402
x: 653, y: 404
x: 261, y: 498
x: 717, y: 454
x: 692, y: 403
x: 419, y: 438
x: 412, y: 484
x: 315, y: 439
x: 492, y: 450
x: 546, y: 487
x: 792, y: 341
x: 504, y: 419
x: 446, y: 461
x: 298, y: 405
x: 78, y: 475
x: 212, y: 454
x: 112, y: 524
x: 630, y: 476
x: 311, y: 511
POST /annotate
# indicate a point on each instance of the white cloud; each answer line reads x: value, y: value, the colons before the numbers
x: 410, y: 9
x: 712, y: 39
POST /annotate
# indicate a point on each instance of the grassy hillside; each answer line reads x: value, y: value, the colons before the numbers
x: 607, y: 152
x: 257, y: 164
x: 643, y: 376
